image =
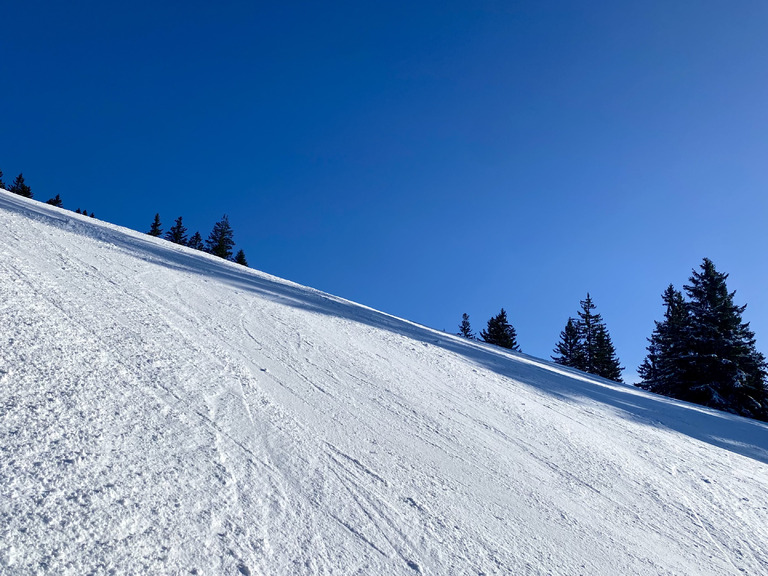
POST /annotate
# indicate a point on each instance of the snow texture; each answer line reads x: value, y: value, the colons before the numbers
x: 163, y: 411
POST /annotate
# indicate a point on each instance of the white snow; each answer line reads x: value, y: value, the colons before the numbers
x: 165, y: 412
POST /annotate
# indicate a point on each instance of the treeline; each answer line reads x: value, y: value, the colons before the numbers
x: 584, y: 343
x: 701, y: 351
x: 21, y: 188
x: 220, y: 241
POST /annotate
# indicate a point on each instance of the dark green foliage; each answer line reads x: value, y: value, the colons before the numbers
x: 598, y: 356
x: 157, y: 228
x: 178, y: 233
x: 569, y: 350
x: 666, y: 347
x: 605, y: 360
x: 220, y: 241
x: 2, y: 184
x: 55, y: 201
x: 19, y: 187
x: 586, y: 345
x: 500, y: 332
x: 196, y: 242
x: 240, y: 258
x: 465, y: 329
x: 78, y: 211
x: 708, y: 355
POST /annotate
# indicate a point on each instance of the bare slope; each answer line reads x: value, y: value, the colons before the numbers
x: 165, y: 412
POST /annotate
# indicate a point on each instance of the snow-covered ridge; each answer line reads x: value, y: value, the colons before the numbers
x: 163, y: 411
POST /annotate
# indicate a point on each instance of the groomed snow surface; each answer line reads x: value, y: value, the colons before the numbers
x: 165, y: 412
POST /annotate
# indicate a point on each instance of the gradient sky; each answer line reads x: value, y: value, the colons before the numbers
x: 425, y: 159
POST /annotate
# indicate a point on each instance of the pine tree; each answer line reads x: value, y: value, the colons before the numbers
x: 55, y: 201
x: 2, y: 184
x: 156, y: 229
x: 500, y: 332
x: 220, y: 242
x: 465, y: 329
x: 240, y: 258
x: 196, y: 242
x: 93, y: 215
x: 178, y: 233
x: 722, y: 368
x: 661, y: 369
x: 20, y: 188
x: 78, y: 211
x: 607, y: 364
x: 598, y: 356
x: 569, y: 350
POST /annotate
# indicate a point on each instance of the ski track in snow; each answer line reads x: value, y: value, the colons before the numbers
x: 165, y: 412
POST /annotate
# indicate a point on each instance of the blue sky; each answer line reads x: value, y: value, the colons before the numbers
x: 424, y: 159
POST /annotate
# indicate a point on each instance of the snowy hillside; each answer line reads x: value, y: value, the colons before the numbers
x: 166, y: 412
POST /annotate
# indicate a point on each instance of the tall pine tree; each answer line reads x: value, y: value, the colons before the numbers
x: 178, y: 233
x: 722, y: 368
x: 500, y: 332
x: 157, y: 228
x: 220, y: 241
x: 569, y: 349
x: 2, y: 184
x: 465, y: 329
x: 586, y: 345
x: 661, y: 369
x: 19, y: 187
x: 703, y: 352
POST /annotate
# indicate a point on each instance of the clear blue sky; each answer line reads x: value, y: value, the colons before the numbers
x: 425, y: 159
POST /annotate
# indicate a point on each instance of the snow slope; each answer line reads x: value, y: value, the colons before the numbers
x: 166, y: 412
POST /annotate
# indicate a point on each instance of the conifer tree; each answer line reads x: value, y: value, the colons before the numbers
x: 178, y: 233
x: 240, y: 258
x: 19, y: 187
x: 598, y: 354
x: 2, y: 184
x: 156, y: 229
x: 78, y: 211
x: 607, y: 364
x: 220, y: 241
x: 661, y: 369
x: 722, y: 368
x: 93, y: 215
x: 465, y: 329
x: 55, y: 201
x: 196, y: 242
x: 500, y: 332
x: 569, y: 350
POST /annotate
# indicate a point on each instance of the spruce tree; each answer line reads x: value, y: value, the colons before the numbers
x: 722, y: 368
x: 598, y: 355
x: 196, y: 242
x: 662, y: 367
x: 240, y: 258
x: 55, y: 201
x: 19, y: 187
x: 500, y: 332
x: 220, y: 242
x: 178, y: 233
x: 2, y: 184
x: 156, y: 229
x: 465, y: 329
x: 569, y: 350
x: 607, y: 364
